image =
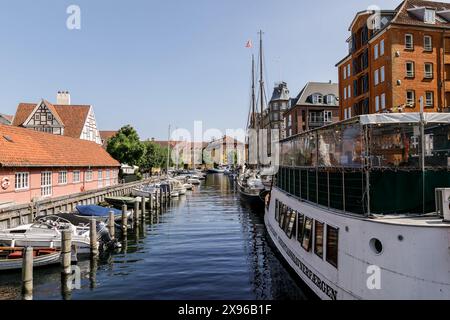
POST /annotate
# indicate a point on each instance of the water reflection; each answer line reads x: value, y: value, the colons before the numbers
x: 206, y: 245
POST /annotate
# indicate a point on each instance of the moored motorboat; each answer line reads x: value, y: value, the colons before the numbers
x: 11, y: 258
x: 100, y: 213
x: 118, y: 202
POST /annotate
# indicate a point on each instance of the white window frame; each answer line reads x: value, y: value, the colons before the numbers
x: 89, y: 176
x: 74, y: 174
x: 46, y: 183
x: 345, y: 93
x: 62, y: 177
x: 410, y: 74
x: 100, y: 178
x: 107, y: 178
x: 348, y: 71
x: 428, y: 74
x: 317, y: 98
x: 382, y: 74
x: 429, y: 46
x: 345, y: 72
x: 349, y: 91
x: 409, y: 46
x: 328, y: 116
x: 22, y: 181
x: 375, y: 51
x: 377, y: 103
x: 345, y: 114
x: 429, y: 16
x: 410, y: 101
x: 349, y: 112
x: 330, y: 99
x: 376, y: 77
x: 382, y: 48
x: 429, y: 102
x: 383, y: 101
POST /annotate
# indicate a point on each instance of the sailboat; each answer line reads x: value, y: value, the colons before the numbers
x: 250, y: 185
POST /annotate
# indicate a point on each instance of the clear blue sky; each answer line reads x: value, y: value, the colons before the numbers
x: 150, y: 63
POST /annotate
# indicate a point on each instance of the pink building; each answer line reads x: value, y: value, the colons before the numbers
x: 36, y: 165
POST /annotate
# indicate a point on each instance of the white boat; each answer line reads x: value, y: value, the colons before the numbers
x: 355, y: 221
x: 216, y: 170
x: 11, y: 258
x: 46, y: 233
x: 146, y: 192
x: 194, y: 181
x: 174, y: 194
x: 188, y: 186
x: 177, y: 187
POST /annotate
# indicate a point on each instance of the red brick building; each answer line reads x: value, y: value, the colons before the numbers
x: 36, y: 165
x: 397, y: 58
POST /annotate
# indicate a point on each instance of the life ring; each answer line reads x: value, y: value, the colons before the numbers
x: 5, y: 183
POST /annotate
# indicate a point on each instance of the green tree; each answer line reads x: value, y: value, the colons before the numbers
x: 153, y: 157
x: 126, y: 146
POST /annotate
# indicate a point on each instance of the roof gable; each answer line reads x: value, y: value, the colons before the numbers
x: 48, y: 107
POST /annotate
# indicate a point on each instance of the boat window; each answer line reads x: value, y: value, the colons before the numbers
x: 437, y: 145
x: 300, y: 224
x: 290, y: 229
x: 318, y: 238
x: 332, y: 245
x: 277, y: 210
x: 287, y: 217
x: 282, y: 215
x: 307, y: 229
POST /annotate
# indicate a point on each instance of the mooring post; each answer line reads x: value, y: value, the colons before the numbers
x: 124, y: 220
x: 66, y: 252
x: 143, y: 201
x: 93, y: 238
x: 27, y: 273
x: 136, y: 213
x: 112, y: 225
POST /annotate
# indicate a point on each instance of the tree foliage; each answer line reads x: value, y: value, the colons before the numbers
x: 126, y: 147
x: 155, y: 156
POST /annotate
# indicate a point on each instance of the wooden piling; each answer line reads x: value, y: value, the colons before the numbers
x: 143, y: 201
x: 93, y: 238
x: 136, y: 213
x: 124, y: 220
x: 27, y: 273
x: 66, y: 252
x: 112, y: 225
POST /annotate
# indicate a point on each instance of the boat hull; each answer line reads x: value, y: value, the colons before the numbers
x: 362, y: 273
x: 45, y: 260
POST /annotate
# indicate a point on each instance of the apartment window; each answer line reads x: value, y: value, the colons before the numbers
x: 318, y: 238
x: 345, y: 114
x: 328, y: 116
x: 375, y: 51
x: 427, y: 43
x: 332, y: 246
x: 345, y: 72
x: 46, y: 183
x: 381, y: 48
x: 410, y: 98
x: 330, y: 99
x: 349, y: 91
x: 107, y: 178
x: 100, y: 178
x: 348, y: 70
x: 382, y: 74
x: 89, y: 176
x: 383, y: 101
x: 409, y: 42
x: 430, y: 16
x: 376, y: 77
x: 377, y: 103
x: 62, y: 177
x: 317, y: 99
x: 429, y: 99
x: 76, y: 177
x: 428, y: 70
x: 22, y: 180
x: 349, y: 113
x: 345, y: 93
x: 410, y: 69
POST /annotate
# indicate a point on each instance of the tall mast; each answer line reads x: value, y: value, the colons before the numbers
x: 253, y: 93
x: 168, y: 152
x: 261, y: 78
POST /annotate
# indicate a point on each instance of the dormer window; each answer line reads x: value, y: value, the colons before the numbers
x: 430, y: 16
x: 317, y: 98
x: 331, y: 99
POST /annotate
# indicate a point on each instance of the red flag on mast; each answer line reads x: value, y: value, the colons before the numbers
x: 249, y: 44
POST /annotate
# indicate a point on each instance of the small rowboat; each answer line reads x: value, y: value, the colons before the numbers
x: 11, y: 258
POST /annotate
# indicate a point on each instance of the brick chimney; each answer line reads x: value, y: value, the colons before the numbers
x: 63, y: 98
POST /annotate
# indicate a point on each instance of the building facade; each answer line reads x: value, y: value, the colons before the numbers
x: 63, y: 118
x: 36, y: 165
x: 316, y: 105
x: 397, y: 60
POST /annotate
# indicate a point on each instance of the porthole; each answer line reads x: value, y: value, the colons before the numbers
x: 400, y: 238
x: 376, y: 246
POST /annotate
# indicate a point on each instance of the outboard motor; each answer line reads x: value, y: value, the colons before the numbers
x: 104, y: 238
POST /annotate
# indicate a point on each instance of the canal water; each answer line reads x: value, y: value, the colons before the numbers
x: 206, y: 245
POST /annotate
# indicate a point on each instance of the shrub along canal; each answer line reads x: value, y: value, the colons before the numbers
x: 206, y: 245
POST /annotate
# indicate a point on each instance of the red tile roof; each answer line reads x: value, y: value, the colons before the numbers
x: 28, y: 148
x: 72, y: 117
x: 105, y: 135
x: 7, y: 117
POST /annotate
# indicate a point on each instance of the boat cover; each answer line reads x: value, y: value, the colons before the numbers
x: 96, y: 211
